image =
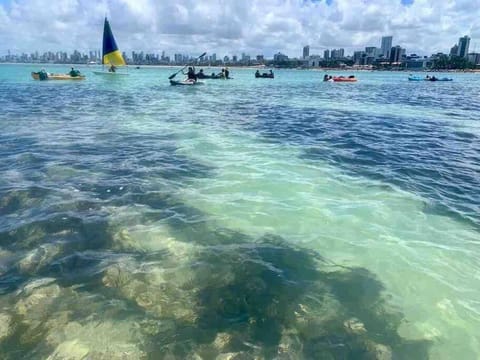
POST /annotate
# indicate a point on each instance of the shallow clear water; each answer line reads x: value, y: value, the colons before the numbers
x: 285, y: 218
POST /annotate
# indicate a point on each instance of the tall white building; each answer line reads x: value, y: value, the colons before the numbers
x: 386, y: 46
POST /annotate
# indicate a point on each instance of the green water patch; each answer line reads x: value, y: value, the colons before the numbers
x: 263, y: 298
x: 18, y: 200
x: 157, y: 289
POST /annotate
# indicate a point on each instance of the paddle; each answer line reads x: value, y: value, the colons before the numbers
x: 173, y: 75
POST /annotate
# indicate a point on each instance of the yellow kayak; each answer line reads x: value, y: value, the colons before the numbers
x: 36, y: 76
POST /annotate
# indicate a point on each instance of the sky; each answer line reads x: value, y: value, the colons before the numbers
x: 228, y: 27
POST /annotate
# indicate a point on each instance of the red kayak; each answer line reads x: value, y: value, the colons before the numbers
x: 343, y: 79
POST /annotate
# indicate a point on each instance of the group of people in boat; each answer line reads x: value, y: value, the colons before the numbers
x: 264, y: 75
x: 331, y: 78
x: 193, y: 76
x: 44, y: 75
x: 431, y: 78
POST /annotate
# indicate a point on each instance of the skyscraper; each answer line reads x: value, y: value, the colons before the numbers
x: 386, y: 46
x: 337, y: 53
x: 326, y: 54
x: 371, y: 51
x: 306, y: 51
x: 454, y: 50
x: 396, y: 54
x: 463, y: 44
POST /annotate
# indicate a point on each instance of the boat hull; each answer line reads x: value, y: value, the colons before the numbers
x: 110, y: 74
x: 425, y: 79
x: 211, y: 77
x: 186, y: 83
x: 36, y: 76
x: 344, y: 80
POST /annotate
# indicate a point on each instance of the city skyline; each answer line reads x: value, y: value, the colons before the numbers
x: 385, y: 52
x: 228, y: 27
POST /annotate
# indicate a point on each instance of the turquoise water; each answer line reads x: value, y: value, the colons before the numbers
x: 285, y: 218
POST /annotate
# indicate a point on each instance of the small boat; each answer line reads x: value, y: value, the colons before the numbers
x: 433, y: 78
x: 110, y: 73
x: 42, y: 75
x: 210, y: 77
x: 187, y: 82
x: 439, y: 79
x: 111, y: 55
x: 344, y: 79
x: 265, y: 75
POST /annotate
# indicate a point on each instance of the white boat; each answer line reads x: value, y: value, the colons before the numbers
x: 111, y: 55
x: 109, y: 73
x: 186, y: 82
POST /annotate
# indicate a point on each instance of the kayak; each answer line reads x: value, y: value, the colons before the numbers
x: 344, y: 79
x: 36, y: 76
x: 417, y: 78
x: 186, y: 82
x: 211, y: 77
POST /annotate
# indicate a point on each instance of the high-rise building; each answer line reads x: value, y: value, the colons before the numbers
x: 386, y: 46
x: 474, y: 58
x: 463, y: 44
x: 280, y: 57
x: 454, y: 50
x: 371, y: 51
x: 306, y: 51
x: 359, y: 57
x: 396, y: 54
x: 337, y: 53
x: 326, y: 54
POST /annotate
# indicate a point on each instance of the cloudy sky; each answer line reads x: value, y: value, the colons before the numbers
x: 236, y: 26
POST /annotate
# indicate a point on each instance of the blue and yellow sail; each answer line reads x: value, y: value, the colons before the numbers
x: 111, y: 54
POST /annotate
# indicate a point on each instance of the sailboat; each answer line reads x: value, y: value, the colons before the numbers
x: 110, y: 54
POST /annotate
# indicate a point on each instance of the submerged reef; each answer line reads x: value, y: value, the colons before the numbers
x: 83, y: 288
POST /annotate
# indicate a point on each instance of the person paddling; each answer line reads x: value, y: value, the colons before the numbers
x: 191, y: 74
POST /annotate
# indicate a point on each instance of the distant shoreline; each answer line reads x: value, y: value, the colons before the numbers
x: 256, y: 67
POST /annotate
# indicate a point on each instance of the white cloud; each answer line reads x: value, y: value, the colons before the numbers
x: 231, y: 26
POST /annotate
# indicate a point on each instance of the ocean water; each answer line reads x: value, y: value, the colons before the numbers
x: 242, y: 219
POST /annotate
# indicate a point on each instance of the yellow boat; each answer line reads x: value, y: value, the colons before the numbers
x: 36, y: 76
